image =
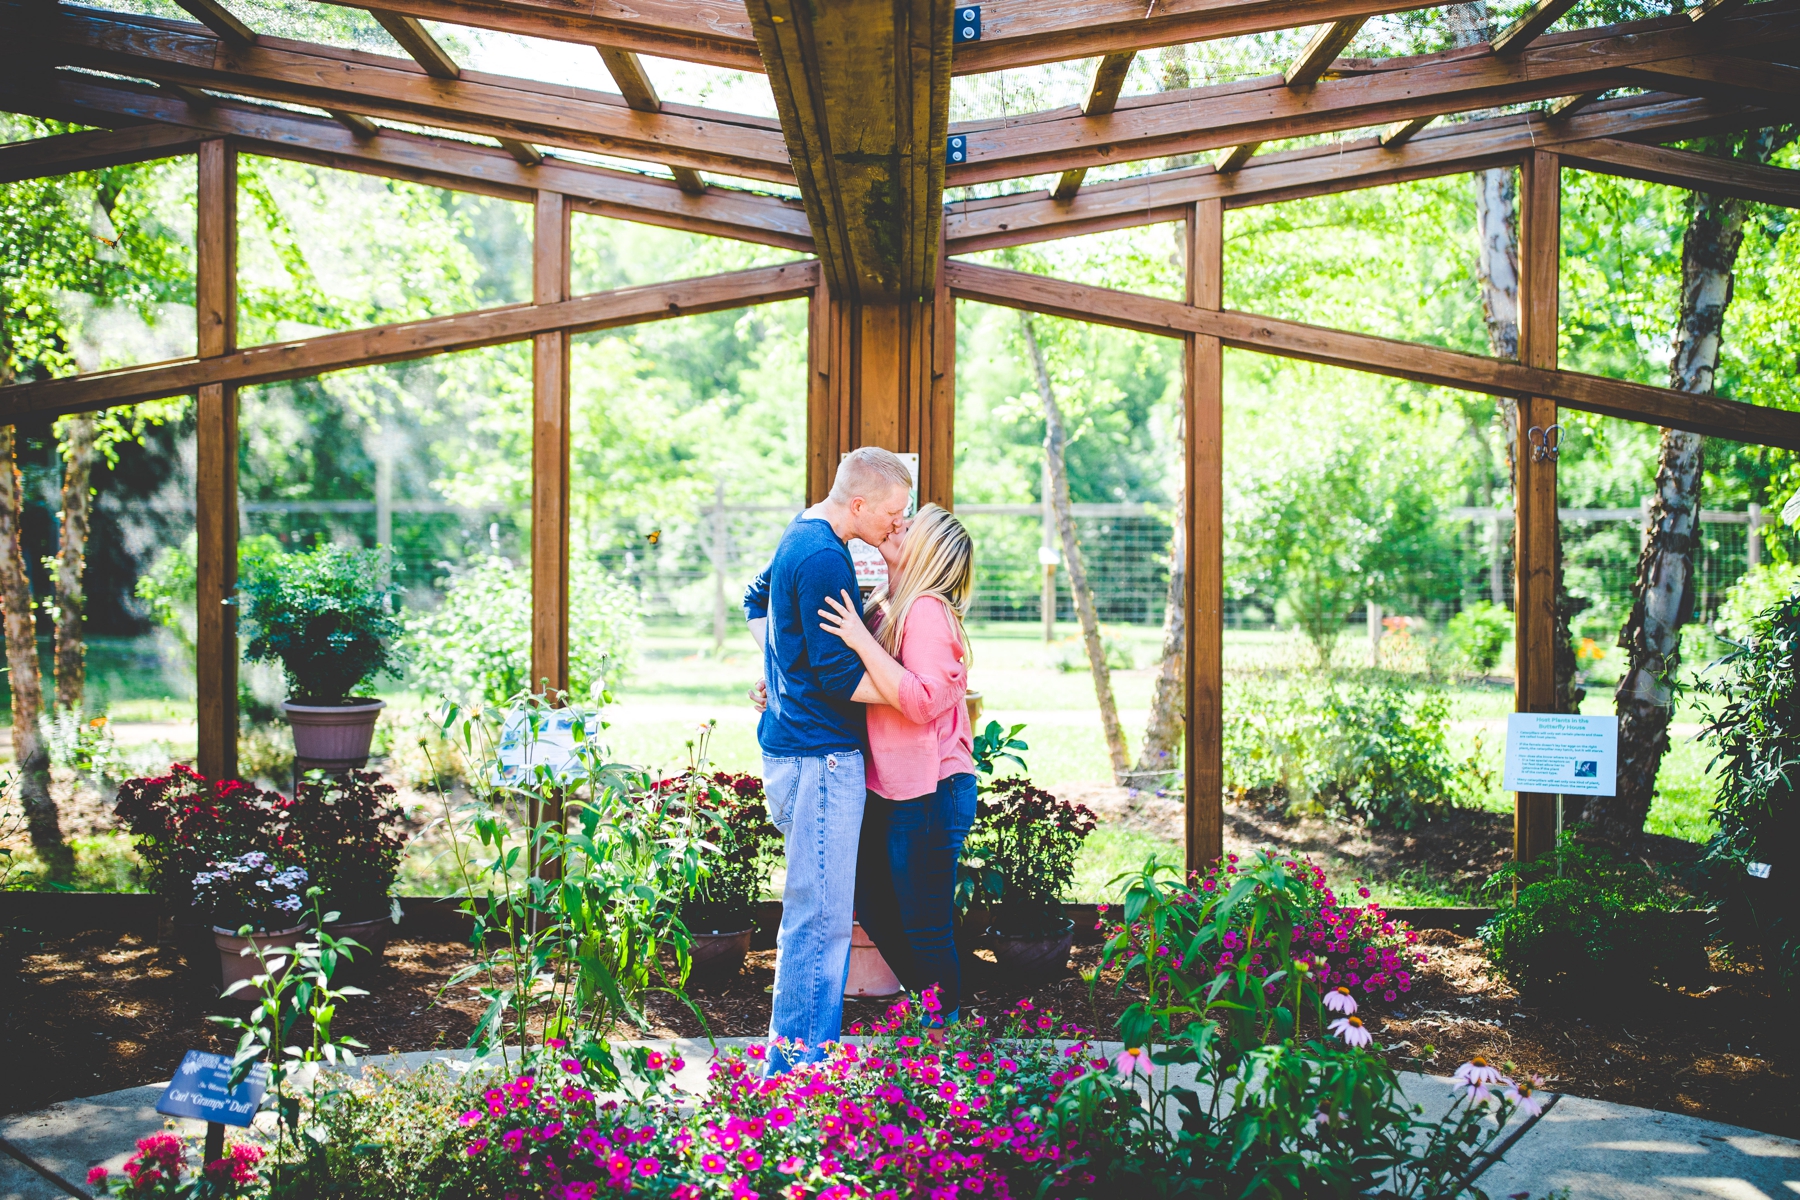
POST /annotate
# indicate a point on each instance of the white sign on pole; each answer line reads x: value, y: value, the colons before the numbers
x: 1558, y: 753
x: 871, y: 568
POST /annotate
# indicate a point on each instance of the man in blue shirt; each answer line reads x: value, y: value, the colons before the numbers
x: 812, y: 736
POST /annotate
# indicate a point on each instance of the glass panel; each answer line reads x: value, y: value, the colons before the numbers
x: 320, y: 250
x: 608, y: 254
x: 106, y: 263
x: 688, y: 456
x: 1146, y: 259
x: 1395, y: 261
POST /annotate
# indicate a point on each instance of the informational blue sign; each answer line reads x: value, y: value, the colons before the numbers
x: 199, y: 1090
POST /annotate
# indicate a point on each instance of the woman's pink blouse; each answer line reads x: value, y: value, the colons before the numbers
x: 927, y: 738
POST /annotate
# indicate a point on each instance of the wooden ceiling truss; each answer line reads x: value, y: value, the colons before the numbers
x: 862, y: 91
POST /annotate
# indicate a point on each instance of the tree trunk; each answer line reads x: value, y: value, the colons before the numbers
x: 1663, y: 592
x: 71, y: 561
x: 1162, y: 735
x: 30, y: 755
x: 1055, y: 443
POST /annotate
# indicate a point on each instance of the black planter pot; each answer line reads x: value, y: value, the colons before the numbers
x: 1033, y: 955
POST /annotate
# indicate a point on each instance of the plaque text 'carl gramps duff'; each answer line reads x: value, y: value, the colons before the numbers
x: 200, y: 1090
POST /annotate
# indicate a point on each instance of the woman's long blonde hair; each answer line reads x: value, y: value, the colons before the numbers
x: 938, y: 559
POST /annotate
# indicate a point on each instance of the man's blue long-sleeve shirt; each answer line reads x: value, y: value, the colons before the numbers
x: 811, y: 673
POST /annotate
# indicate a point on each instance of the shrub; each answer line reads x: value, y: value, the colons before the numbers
x: 350, y: 834
x: 1341, y: 945
x: 476, y: 647
x: 1582, y: 920
x: 1024, y: 845
x: 748, y: 843
x: 1756, y: 732
x: 1478, y: 632
x: 184, y: 822
x: 1371, y: 748
x: 326, y: 616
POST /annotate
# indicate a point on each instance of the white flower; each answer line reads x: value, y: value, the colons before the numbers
x: 1339, y: 1000
x: 1525, y: 1095
x: 1352, y: 1030
x: 1477, y: 1071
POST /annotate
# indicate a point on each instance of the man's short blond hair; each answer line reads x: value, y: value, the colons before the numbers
x: 869, y: 472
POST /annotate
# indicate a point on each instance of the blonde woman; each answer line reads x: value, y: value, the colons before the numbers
x: 921, y: 768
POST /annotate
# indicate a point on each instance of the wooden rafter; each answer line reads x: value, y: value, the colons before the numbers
x: 93, y: 149
x: 411, y: 340
x: 394, y: 89
x: 221, y: 20
x: 1712, y: 10
x: 634, y: 83
x: 1402, y: 132
x: 1728, y: 76
x: 1306, y: 70
x: 1458, y: 80
x: 1381, y: 356
x: 1685, y: 169
x: 1103, y: 97
x: 440, y: 162
x: 1522, y: 32
x: 1566, y: 106
x: 356, y: 123
x: 864, y: 97
x: 418, y: 43
x: 1318, y: 170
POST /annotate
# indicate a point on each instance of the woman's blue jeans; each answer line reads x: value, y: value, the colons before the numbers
x: 906, y: 884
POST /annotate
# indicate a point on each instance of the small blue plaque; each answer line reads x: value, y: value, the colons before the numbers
x: 199, y: 1090
x: 968, y: 23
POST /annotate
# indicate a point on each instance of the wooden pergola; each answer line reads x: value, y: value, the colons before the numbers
x: 863, y: 91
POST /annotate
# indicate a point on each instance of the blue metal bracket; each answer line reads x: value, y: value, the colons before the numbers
x: 968, y: 24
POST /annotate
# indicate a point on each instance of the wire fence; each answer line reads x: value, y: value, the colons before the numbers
x: 696, y: 567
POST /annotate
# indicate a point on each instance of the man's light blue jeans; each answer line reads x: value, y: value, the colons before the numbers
x: 817, y: 803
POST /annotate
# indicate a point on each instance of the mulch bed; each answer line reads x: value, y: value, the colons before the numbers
x: 93, y: 1012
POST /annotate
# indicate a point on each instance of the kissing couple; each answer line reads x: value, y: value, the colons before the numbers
x: 868, y: 762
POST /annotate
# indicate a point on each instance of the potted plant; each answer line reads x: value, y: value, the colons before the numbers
x: 350, y: 836
x: 720, y: 911
x: 181, y: 823
x: 1023, y: 847
x: 327, y: 617
x: 254, y: 897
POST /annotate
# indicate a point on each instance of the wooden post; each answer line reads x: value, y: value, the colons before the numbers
x: 1535, y: 548
x: 1204, y: 396
x: 883, y: 374
x: 550, y: 452
x: 216, y: 454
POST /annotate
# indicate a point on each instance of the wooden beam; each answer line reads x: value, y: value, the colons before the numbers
x: 1685, y: 169
x: 410, y: 340
x: 864, y: 97
x: 1522, y: 32
x: 356, y: 123
x: 1235, y: 158
x: 191, y: 95
x: 1536, y: 546
x: 393, y: 89
x: 523, y: 153
x: 1322, y: 51
x: 1200, y: 119
x: 418, y: 43
x: 714, y: 33
x: 1103, y: 96
x: 550, y: 452
x: 1708, y: 415
x: 1712, y: 10
x: 1727, y: 76
x: 221, y: 20
x: 90, y: 150
x: 1319, y: 170
x: 439, y: 162
x: 1400, y: 133
x: 1204, y: 400
x: 1566, y: 106
x: 215, y: 466
x: 635, y: 85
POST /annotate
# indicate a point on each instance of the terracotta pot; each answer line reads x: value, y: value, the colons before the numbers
x: 1034, y: 956
x: 717, y: 955
x: 870, y: 976
x: 372, y: 935
x: 235, y: 965
x: 332, y: 737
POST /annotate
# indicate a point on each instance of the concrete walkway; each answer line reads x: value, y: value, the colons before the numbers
x: 1594, y: 1149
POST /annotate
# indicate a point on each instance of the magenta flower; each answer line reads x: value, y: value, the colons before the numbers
x: 790, y: 1165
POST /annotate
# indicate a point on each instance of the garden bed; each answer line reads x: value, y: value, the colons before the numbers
x: 91, y: 1012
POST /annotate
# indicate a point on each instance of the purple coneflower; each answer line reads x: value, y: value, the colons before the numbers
x: 1339, y: 1000
x: 1352, y: 1030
